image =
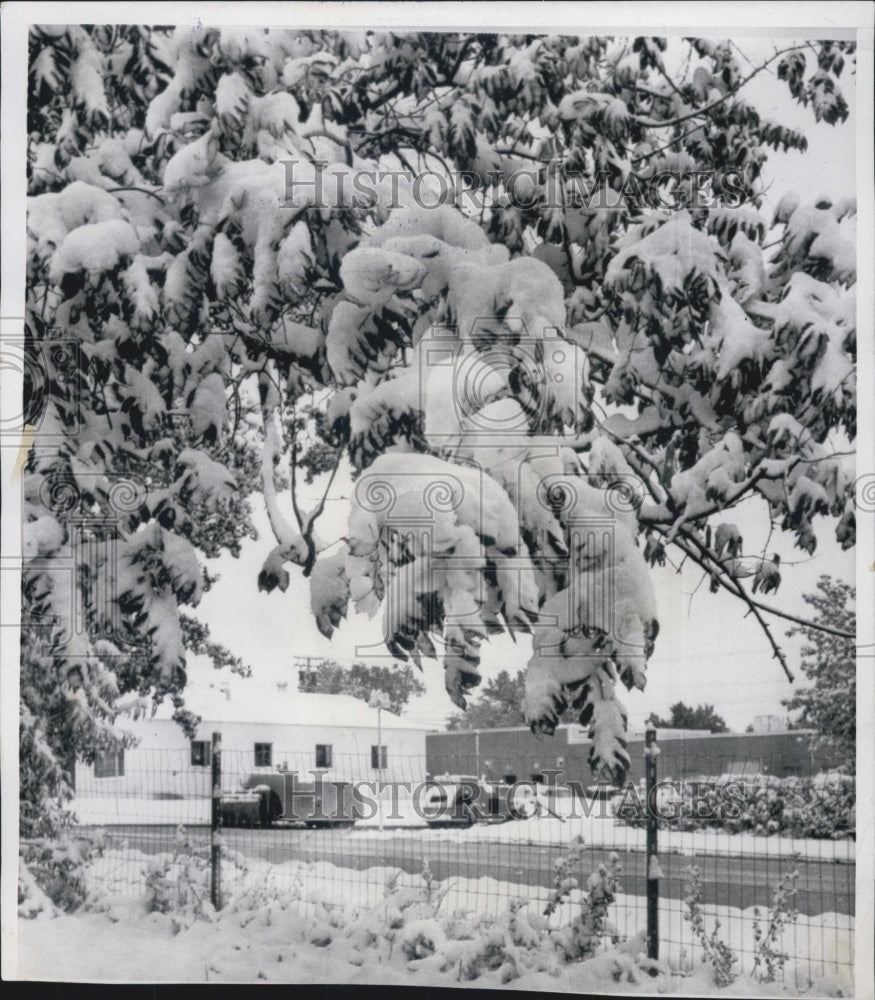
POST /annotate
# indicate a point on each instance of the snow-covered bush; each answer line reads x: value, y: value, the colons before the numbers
x: 565, y: 876
x: 57, y: 867
x: 714, y: 949
x: 820, y: 807
x: 252, y: 894
x: 769, y: 957
x: 412, y: 921
x: 32, y: 900
x: 589, y: 928
x: 332, y: 922
x: 178, y: 881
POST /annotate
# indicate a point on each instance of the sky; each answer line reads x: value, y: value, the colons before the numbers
x: 707, y: 651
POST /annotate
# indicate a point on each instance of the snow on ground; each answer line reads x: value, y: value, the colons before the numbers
x: 133, y: 810
x: 599, y: 829
x: 290, y: 922
x: 606, y: 832
x: 273, y: 947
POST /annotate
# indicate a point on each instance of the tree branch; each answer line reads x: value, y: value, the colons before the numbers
x: 729, y: 93
x: 728, y: 502
x: 718, y: 572
x: 337, y: 139
x: 317, y: 510
x: 751, y: 601
x: 460, y: 58
x: 293, y: 470
x: 662, y: 72
x: 668, y: 145
x: 152, y: 194
x: 804, y: 622
x: 270, y: 453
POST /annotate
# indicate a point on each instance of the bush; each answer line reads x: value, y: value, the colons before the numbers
x: 714, y: 949
x: 178, y: 883
x: 821, y: 807
x: 412, y: 923
x: 589, y: 927
x: 57, y: 866
x: 769, y: 956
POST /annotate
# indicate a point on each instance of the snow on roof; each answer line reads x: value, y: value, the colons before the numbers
x: 249, y: 701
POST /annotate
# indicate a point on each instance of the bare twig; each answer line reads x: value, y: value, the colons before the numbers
x: 718, y: 572
x: 152, y: 194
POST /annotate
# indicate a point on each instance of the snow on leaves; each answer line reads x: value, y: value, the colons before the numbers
x: 329, y: 592
x: 441, y: 542
x: 207, y: 407
x: 372, y: 276
x: 670, y: 255
x: 496, y: 546
x: 204, y: 476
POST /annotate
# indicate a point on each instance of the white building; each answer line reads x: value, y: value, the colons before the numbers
x: 262, y: 729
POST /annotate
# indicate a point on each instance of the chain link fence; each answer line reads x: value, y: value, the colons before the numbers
x: 764, y: 865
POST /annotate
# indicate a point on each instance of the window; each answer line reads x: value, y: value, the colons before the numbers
x: 200, y: 753
x: 378, y: 757
x: 263, y: 754
x: 109, y: 764
x: 323, y: 755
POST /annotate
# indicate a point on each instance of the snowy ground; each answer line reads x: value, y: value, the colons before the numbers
x: 363, y: 926
x: 132, y: 810
x: 401, y: 820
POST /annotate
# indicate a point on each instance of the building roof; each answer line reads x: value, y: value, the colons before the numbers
x: 246, y: 700
x: 635, y: 735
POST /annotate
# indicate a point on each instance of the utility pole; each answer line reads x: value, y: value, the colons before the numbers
x: 378, y: 701
x: 307, y: 669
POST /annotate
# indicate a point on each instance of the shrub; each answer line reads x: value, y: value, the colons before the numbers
x: 821, y: 807
x: 178, y: 882
x: 714, y: 950
x: 57, y: 866
x: 589, y: 927
x: 769, y: 958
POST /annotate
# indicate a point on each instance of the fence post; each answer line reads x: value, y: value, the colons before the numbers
x: 216, y: 823
x: 651, y: 752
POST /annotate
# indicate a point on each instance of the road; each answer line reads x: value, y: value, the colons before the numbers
x: 823, y: 886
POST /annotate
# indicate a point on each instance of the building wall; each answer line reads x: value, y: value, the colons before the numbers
x: 161, y: 763
x: 503, y: 752
x: 499, y: 752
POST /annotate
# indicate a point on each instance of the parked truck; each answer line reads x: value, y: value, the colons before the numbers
x: 283, y: 797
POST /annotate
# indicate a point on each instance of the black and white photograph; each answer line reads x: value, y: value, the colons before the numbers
x: 431, y: 494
